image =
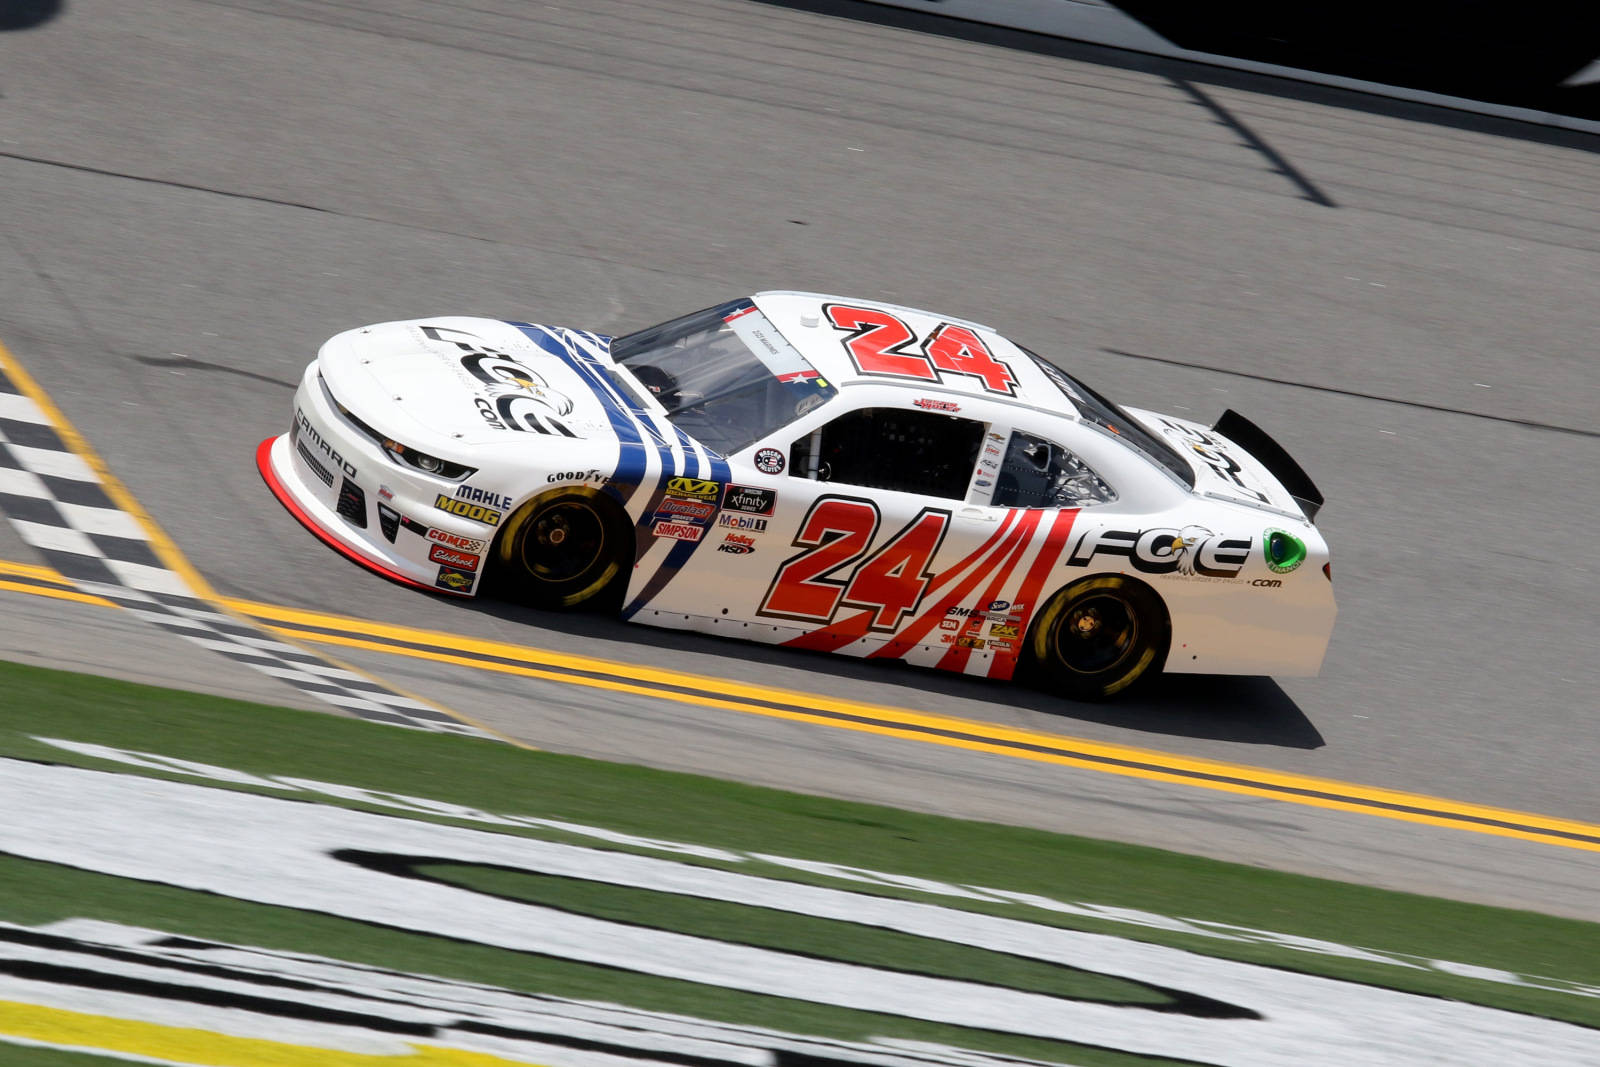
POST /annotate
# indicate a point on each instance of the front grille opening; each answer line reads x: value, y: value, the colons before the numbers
x: 388, y: 522
x: 352, y: 504
x: 316, y: 468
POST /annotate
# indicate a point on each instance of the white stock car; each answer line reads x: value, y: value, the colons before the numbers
x: 819, y: 472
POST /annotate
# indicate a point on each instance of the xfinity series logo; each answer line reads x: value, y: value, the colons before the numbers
x: 1192, y: 550
x: 309, y: 432
x: 748, y: 498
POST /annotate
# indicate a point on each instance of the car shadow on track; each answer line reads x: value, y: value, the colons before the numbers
x: 1245, y: 710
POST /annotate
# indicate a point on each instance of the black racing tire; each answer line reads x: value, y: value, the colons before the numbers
x: 567, y: 548
x: 1098, y: 636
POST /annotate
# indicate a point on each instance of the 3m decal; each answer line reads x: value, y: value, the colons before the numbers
x: 465, y: 544
x: 453, y: 558
x: 750, y: 499
x: 693, y: 487
x: 836, y: 534
x: 878, y: 343
x: 475, y: 512
x: 678, y: 531
x: 1194, y: 550
x: 769, y: 461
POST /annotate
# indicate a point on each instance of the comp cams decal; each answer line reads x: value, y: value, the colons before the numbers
x: 412, y: 876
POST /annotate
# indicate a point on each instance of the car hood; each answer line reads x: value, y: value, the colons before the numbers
x: 471, y: 381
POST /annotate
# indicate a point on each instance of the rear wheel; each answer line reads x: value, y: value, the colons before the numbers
x: 1098, y: 636
x: 564, y: 549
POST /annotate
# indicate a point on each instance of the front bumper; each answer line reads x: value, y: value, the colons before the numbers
x: 357, y: 500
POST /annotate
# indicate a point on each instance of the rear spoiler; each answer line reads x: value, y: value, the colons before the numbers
x: 1250, y: 437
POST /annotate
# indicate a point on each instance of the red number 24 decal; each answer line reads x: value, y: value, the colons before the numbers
x: 878, y: 340
x: 836, y: 534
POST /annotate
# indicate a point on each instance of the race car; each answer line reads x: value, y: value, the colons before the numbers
x: 818, y: 472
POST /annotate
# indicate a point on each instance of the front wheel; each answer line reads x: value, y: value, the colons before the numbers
x: 565, y: 549
x: 1098, y: 636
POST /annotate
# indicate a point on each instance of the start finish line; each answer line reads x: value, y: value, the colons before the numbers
x: 362, y: 866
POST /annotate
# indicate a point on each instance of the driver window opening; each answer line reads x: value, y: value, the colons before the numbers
x: 1037, y: 473
x: 890, y: 448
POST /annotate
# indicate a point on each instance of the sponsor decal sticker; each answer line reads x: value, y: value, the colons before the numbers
x: 949, y: 624
x: 769, y: 461
x: 578, y: 476
x: 680, y: 531
x: 968, y: 641
x: 465, y: 544
x: 453, y: 558
x: 475, y: 512
x: 1003, y: 629
x: 737, y: 544
x: 1194, y: 550
x: 698, y: 511
x: 929, y: 404
x: 451, y: 578
x: 697, y: 488
x: 742, y: 522
x: 385, y: 493
x: 1268, y: 583
x: 1284, y: 551
x: 998, y: 645
x: 749, y: 498
x: 983, y: 483
x: 474, y: 495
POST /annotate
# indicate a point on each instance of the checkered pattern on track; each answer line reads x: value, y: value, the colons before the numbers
x: 59, y: 505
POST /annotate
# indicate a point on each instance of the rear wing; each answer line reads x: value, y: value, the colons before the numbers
x: 1250, y: 437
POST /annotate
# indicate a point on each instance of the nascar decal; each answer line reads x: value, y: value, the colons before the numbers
x: 395, y: 873
x: 881, y: 343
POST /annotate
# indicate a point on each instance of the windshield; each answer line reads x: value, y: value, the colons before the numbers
x: 1106, y: 415
x: 726, y: 376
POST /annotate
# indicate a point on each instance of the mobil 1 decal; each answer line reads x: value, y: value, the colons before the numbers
x: 514, y: 395
x: 837, y: 565
x: 1193, y: 550
x: 881, y: 343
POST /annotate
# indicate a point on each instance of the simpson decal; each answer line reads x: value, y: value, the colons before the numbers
x: 679, y: 531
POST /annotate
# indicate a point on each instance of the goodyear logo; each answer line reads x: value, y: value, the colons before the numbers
x: 467, y: 510
x: 695, y: 487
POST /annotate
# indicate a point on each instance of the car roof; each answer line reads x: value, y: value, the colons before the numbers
x: 811, y: 322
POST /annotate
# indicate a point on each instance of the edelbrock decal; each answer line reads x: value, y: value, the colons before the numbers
x: 362, y: 867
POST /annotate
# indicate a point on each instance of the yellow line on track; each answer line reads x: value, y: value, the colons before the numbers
x: 166, y: 551
x: 702, y: 691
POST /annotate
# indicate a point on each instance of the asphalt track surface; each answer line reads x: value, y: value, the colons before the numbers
x: 197, y: 192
